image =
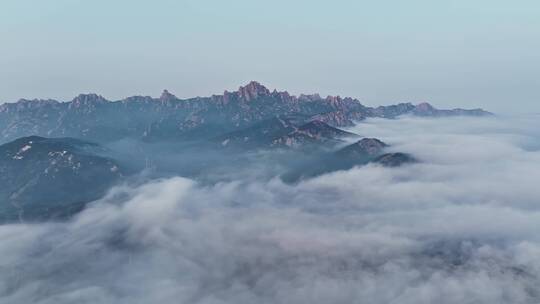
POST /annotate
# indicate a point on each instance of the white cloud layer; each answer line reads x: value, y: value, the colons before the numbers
x: 459, y: 227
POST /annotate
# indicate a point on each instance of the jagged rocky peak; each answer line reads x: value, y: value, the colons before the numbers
x: 334, y: 99
x: 253, y: 90
x: 365, y: 146
x: 88, y: 99
x: 167, y: 96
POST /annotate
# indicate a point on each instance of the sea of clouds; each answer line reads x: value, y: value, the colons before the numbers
x: 460, y: 226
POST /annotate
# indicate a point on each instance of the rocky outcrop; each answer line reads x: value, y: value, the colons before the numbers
x: 366, y: 147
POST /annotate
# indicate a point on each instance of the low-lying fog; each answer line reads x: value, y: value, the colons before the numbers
x: 461, y: 226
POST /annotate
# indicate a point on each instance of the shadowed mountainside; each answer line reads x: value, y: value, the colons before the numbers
x: 52, y: 178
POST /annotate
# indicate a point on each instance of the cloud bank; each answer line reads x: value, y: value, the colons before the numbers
x: 459, y: 227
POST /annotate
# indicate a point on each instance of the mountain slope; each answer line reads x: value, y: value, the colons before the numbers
x: 366, y: 148
x: 50, y: 178
x: 362, y: 152
x: 394, y: 159
x: 283, y: 132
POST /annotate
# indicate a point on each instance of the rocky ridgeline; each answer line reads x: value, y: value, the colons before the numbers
x: 92, y: 117
x: 284, y: 132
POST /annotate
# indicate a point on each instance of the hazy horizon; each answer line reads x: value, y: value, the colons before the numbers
x: 457, y: 54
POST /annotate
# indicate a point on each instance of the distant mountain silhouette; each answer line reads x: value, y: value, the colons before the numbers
x: 92, y: 117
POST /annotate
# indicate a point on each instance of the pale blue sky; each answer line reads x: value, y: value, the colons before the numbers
x: 466, y: 53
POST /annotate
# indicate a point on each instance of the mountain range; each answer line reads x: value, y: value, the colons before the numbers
x: 92, y: 117
x: 55, y: 157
